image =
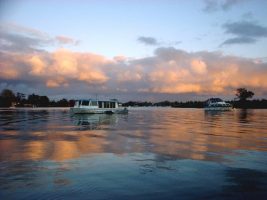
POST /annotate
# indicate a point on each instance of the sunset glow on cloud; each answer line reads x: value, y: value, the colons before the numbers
x: 169, y: 71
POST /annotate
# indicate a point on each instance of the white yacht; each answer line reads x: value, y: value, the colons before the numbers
x: 93, y: 106
x: 217, y: 104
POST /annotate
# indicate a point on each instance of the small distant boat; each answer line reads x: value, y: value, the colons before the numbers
x: 217, y: 104
x: 93, y: 106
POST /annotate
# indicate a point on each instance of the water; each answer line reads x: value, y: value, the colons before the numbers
x: 151, y: 153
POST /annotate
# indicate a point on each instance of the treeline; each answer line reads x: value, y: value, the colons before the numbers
x: 254, y: 104
x: 8, y: 99
x: 188, y: 104
x: 242, y: 95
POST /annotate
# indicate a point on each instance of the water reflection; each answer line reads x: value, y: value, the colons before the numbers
x: 245, y: 115
x: 150, y: 148
x: 55, y: 135
x: 94, y: 121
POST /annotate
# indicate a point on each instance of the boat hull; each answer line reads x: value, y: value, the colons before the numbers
x: 218, y: 108
x: 99, y: 110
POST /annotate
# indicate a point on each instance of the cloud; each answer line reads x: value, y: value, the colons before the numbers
x: 168, y: 71
x: 244, y: 32
x: 175, y: 71
x: 12, y: 66
x: 151, y: 41
x: 9, y: 74
x: 198, y: 66
x: 211, y: 5
x: 38, y: 66
x: 15, y: 28
x: 245, y: 29
x: 16, y: 42
x: 227, y: 4
x: 17, y: 38
x: 239, y: 40
x: 60, y: 81
x: 247, y: 15
x: 63, y: 66
x: 217, y: 5
x: 66, y: 40
x: 52, y: 84
x: 148, y: 40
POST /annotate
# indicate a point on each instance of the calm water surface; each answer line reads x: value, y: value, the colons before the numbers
x: 151, y: 153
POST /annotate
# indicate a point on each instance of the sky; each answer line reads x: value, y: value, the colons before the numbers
x: 134, y: 50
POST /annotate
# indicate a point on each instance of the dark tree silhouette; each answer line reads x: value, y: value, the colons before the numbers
x: 243, y: 94
x: 43, y: 101
x: 6, y: 93
x: 39, y: 101
x: 7, y: 97
x: 71, y: 103
x: 33, y: 99
x: 63, y: 103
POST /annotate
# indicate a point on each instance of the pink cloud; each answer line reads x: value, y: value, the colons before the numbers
x: 169, y: 71
x: 38, y: 65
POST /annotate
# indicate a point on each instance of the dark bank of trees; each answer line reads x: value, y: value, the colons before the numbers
x: 241, y: 101
x: 188, y: 104
x: 8, y: 99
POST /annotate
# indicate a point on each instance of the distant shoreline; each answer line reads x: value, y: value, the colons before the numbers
x: 249, y: 104
x: 20, y: 100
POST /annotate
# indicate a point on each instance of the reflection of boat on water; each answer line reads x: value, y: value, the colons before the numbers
x: 93, y: 121
x: 217, y: 104
x: 91, y: 106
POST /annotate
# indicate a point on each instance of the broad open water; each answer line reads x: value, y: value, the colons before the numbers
x: 150, y: 153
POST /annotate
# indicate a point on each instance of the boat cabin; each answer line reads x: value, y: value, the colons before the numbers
x: 216, y: 102
x: 113, y: 103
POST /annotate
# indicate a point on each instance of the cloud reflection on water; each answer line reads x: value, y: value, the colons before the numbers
x: 180, y: 133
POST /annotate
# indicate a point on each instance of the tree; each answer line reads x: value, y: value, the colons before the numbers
x: 33, y: 99
x: 243, y: 94
x: 71, y: 103
x: 7, y: 97
x: 6, y: 93
x: 43, y: 101
x: 63, y: 103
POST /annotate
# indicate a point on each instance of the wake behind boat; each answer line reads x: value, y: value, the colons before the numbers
x: 217, y: 104
x: 93, y: 106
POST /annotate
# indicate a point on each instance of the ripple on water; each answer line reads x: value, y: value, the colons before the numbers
x: 50, y: 154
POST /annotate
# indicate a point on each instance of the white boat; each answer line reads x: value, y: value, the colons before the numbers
x: 217, y: 104
x: 93, y: 106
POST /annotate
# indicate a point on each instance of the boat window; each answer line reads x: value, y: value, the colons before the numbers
x: 112, y: 104
x: 85, y: 103
x: 106, y: 104
x: 93, y: 103
x: 100, y: 104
